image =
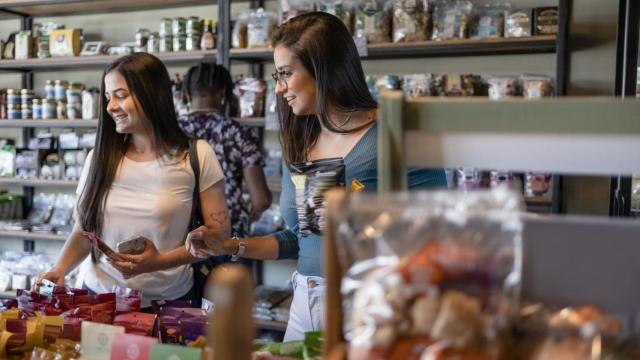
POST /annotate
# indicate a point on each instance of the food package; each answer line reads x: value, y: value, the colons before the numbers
x: 65, y: 42
x: 179, y: 325
x: 502, y: 87
x: 127, y: 300
x: 418, y: 85
x: 251, y: 93
x: 239, y: 32
x: 451, y: 19
x: 157, y: 305
x: 24, y: 45
x: 136, y: 323
x: 293, y: 8
x: 534, y: 87
x: 259, y: 28
x: 411, y: 20
x: 311, y: 180
x: 437, y: 271
x: 546, y: 20
x: 340, y: 9
x: 518, y: 23
x: 538, y: 185
x: 488, y: 21
x: 462, y: 85
x: 373, y: 21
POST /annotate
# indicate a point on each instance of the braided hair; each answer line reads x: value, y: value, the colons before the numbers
x: 209, y: 79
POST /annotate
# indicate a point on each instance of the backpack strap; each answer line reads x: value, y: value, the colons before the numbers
x: 196, y: 208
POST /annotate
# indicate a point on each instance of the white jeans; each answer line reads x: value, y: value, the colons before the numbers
x: 307, y: 308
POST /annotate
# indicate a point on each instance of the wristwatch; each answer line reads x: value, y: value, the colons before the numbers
x: 242, y: 246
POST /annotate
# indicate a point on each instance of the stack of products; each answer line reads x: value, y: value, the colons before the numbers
x: 60, y: 100
x: 272, y: 304
x: 50, y: 213
x: 385, y: 21
x: 10, y: 206
x: 538, y: 187
x: 20, y: 270
x: 253, y: 29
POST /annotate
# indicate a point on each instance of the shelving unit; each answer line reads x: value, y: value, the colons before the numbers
x: 67, y: 7
x: 38, y: 123
x: 67, y: 184
x: 23, y: 235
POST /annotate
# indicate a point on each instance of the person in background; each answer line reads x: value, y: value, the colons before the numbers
x: 209, y: 89
x: 325, y: 112
x: 138, y: 181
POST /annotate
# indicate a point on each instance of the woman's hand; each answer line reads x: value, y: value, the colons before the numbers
x: 202, y: 243
x: 149, y: 260
x: 52, y: 275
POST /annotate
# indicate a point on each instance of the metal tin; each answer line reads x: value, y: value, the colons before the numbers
x: 26, y: 112
x: 166, y: 26
x: 26, y: 96
x: 180, y: 43
x: 37, y: 108
x: 153, y: 45
x: 49, y: 90
x: 12, y: 97
x: 179, y: 26
x: 49, y: 110
x: 61, y: 90
x: 61, y: 110
x: 166, y: 43
x: 194, y: 26
x: 14, y: 112
x: 193, y: 42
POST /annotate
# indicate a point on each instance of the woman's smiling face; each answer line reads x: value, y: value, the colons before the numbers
x: 122, y: 105
x: 295, y: 83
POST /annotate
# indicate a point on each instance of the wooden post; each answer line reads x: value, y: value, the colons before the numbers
x: 336, y: 200
x: 392, y: 172
x: 232, y: 331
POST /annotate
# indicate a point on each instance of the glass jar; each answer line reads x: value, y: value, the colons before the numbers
x: 194, y: 26
x: 179, y: 26
x: 142, y: 36
x: 74, y: 93
x: 12, y: 97
x: 153, y: 45
x: 193, y: 42
x: 14, y: 111
x: 74, y: 111
x: 49, y: 90
x: 61, y: 90
x: 37, y: 108
x: 179, y: 43
x: 166, y: 43
x: 26, y: 112
x: 26, y: 96
x: 166, y: 26
x: 49, y: 110
x: 61, y: 110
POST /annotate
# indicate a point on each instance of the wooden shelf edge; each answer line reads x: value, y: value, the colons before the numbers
x: 31, y: 236
x: 38, y: 183
x: 54, y: 123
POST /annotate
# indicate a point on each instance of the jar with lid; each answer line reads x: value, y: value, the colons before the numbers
x: 37, y: 108
x: 153, y: 45
x: 14, y: 111
x: 194, y: 26
x: 12, y: 97
x: 26, y: 111
x: 49, y: 90
x: 208, y: 39
x: 61, y: 110
x: 193, y: 42
x: 166, y: 26
x: 180, y: 42
x: 61, y: 90
x: 26, y: 96
x: 166, y: 43
x: 74, y: 93
x: 179, y: 25
x: 49, y: 109
x: 74, y: 111
x: 142, y: 36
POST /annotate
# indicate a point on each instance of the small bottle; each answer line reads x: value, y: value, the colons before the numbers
x: 208, y: 40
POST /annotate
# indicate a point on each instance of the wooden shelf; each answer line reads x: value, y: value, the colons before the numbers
x: 270, y: 325
x: 71, y: 184
x: 4, y: 123
x: 253, y: 121
x: 75, y: 7
x: 24, y: 235
x: 461, y: 47
x: 101, y: 60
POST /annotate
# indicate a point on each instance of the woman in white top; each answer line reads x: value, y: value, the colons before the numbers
x: 138, y: 181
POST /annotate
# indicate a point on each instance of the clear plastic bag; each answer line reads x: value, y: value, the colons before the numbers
x: 535, y: 87
x: 410, y: 20
x: 488, y: 21
x: 239, y: 32
x: 418, y: 85
x: 502, y: 87
x: 259, y: 28
x: 251, y: 94
x: 340, y: 9
x: 451, y: 20
x: 437, y: 271
x: 518, y: 23
x: 373, y: 21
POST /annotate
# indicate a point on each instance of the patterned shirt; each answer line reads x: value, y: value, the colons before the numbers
x: 236, y: 146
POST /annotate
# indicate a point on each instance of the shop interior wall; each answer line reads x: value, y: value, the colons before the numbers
x: 592, y: 73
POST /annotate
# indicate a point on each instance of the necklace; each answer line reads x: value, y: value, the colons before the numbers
x: 346, y: 120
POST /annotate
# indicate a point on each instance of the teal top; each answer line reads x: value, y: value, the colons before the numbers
x: 360, y: 164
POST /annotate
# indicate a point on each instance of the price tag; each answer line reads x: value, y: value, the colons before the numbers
x: 361, y: 45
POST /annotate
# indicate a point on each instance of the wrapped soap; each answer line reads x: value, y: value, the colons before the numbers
x: 127, y: 300
x: 136, y: 323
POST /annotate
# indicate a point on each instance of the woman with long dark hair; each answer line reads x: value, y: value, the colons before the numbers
x: 326, y: 113
x: 138, y: 181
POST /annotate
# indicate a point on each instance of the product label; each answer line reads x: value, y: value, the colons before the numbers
x: 131, y: 347
x: 174, y: 352
x: 97, y: 340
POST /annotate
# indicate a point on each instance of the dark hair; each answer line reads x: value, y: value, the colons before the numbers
x: 208, y: 78
x: 150, y: 86
x: 326, y: 49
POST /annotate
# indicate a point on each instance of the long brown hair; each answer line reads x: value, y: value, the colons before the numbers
x: 149, y: 84
x: 325, y: 48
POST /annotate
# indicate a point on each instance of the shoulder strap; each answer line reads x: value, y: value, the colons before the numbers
x: 196, y: 208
